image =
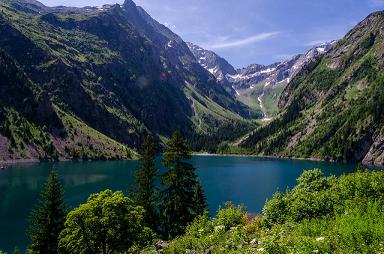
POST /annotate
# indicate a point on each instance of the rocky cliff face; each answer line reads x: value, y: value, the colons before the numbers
x: 213, y: 63
x: 375, y: 155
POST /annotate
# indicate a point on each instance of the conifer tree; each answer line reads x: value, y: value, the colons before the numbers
x: 145, y: 193
x: 200, y: 199
x: 179, y: 182
x: 47, y: 219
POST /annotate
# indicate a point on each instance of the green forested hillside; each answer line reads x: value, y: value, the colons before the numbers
x: 115, y: 74
x: 34, y: 128
x: 334, y: 109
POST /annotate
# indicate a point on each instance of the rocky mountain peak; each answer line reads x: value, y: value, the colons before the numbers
x: 129, y: 4
x: 216, y: 65
x: 257, y: 81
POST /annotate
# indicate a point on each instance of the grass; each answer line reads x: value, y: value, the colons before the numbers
x: 85, y: 142
x: 208, y: 113
x: 249, y: 96
x: 270, y: 100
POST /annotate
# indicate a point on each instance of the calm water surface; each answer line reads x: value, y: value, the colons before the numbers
x: 243, y: 180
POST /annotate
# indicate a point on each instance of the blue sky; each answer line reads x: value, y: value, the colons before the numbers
x: 253, y: 31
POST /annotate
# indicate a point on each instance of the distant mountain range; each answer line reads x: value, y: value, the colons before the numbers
x: 257, y: 86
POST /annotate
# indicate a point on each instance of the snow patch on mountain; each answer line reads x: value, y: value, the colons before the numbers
x: 268, y: 77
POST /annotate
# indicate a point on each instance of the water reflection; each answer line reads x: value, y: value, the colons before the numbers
x: 243, y: 180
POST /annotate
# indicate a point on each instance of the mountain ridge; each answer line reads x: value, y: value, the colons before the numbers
x: 256, y: 84
x: 333, y: 109
x: 99, y: 65
x: 102, y: 78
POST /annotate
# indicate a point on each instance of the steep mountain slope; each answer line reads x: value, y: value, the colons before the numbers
x: 114, y: 70
x: 334, y: 108
x: 33, y: 128
x: 216, y: 65
x: 257, y: 86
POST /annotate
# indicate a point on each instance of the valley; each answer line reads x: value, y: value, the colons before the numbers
x: 123, y: 134
x: 97, y: 80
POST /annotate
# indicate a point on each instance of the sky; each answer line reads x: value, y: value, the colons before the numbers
x: 252, y: 31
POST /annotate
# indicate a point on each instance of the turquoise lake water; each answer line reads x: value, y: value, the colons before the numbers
x: 242, y: 180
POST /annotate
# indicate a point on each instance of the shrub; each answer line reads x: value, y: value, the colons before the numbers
x: 107, y: 223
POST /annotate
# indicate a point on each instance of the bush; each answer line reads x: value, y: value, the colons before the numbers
x: 107, y: 223
x: 320, y: 215
x: 231, y: 216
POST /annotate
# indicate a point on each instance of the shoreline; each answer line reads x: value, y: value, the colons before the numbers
x: 381, y: 166
x: 7, y: 163
x: 264, y: 156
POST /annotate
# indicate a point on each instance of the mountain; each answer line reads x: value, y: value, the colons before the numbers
x: 257, y: 86
x: 216, y: 65
x: 333, y: 108
x: 109, y: 76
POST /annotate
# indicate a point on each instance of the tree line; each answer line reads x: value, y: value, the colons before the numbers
x: 111, y: 222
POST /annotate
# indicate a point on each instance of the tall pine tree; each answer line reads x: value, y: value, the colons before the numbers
x: 200, y: 199
x: 145, y: 193
x: 178, y: 197
x: 47, y: 219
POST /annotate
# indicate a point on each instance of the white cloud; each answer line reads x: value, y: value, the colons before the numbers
x: 316, y: 43
x: 227, y: 43
x: 282, y: 57
x: 376, y: 3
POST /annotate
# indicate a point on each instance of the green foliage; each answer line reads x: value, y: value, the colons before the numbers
x: 107, y: 223
x: 333, y: 109
x: 231, y: 216
x: 145, y: 192
x: 200, y: 200
x: 295, y: 224
x: 357, y: 230
x: 225, y: 234
x: 304, y: 201
x: 85, y: 142
x: 270, y: 100
x: 226, y: 132
x: 179, y: 183
x: 15, y: 251
x: 276, y: 209
x: 47, y: 219
x: 316, y: 196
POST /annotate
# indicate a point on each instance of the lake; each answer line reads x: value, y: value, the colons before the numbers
x: 242, y: 180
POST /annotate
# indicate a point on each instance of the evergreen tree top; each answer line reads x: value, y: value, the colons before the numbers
x: 177, y: 150
x: 148, y: 148
x: 47, y: 219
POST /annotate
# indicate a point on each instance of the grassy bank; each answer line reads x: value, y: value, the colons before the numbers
x: 319, y: 215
